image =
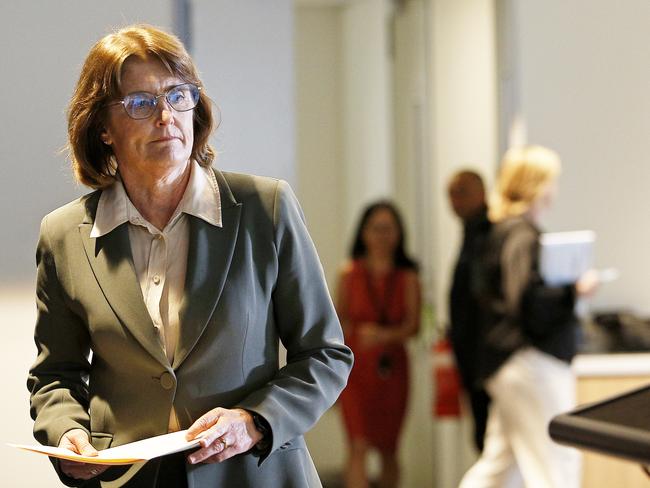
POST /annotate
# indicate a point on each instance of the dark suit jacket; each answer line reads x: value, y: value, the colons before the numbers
x: 250, y: 285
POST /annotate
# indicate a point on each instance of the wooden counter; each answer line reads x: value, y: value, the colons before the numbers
x: 601, y: 376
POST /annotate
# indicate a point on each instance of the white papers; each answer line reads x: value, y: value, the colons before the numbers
x: 608, y: 274
x: 126, y: 454
x: 565, y: 256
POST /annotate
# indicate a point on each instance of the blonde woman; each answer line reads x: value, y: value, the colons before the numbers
x: 528, y: 335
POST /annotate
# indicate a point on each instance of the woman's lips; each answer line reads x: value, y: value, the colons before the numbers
x: 165, y: 139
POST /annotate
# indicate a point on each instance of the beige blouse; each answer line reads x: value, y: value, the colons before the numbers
x: 160, y: 257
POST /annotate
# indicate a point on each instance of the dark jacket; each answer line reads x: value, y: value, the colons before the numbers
x: 518, y: 309
x: 464, y: 311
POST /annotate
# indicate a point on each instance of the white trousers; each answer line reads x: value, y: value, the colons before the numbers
x: 527, y: 391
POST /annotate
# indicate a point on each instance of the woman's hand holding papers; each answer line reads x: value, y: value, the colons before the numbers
x: 76, y: 440
x: 587, y: 283
x: 225, y: 433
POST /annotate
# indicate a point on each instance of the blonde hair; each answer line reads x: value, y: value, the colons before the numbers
x: 524, y: 175
x: 93, y: 162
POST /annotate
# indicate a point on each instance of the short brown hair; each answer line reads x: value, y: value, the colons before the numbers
x: 93, y: 162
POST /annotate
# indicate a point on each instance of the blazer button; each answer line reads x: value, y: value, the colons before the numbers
x: 167, y: 381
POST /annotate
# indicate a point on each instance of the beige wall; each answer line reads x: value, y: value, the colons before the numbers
x: 464, y: 114
x: 464, y: 127
x: 319, y: 134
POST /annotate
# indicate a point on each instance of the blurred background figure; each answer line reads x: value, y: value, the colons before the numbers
x: 467, y: 198
x: 378, y: 303
x: 529, y: 334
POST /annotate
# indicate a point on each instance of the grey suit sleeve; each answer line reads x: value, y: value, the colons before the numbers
x: 318, y: 362
x: 57, y: 379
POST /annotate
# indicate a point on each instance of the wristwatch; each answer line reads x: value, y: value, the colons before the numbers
x: 263, y: 428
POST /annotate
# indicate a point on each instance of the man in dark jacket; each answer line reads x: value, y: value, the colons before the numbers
x: 467, y: 198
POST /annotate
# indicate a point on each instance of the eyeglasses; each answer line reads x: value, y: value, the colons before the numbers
x: 142, y: 105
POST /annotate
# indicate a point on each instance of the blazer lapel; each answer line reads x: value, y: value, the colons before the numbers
x: 112, y: 263
x: 209, y: 256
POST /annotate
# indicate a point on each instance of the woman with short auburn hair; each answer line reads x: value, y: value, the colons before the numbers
x: 100, y: 83
x: 163, y: 296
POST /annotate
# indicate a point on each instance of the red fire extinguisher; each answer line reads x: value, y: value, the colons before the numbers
x: 447, y: 389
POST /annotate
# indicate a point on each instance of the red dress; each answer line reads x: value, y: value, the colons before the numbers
x: 374, y: 402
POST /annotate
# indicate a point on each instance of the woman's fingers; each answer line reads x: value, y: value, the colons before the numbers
x: 205, y: 422
x: 229, y: 435
x: 214, y: 452
x: 76, y: 440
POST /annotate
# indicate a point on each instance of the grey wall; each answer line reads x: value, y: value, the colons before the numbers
x: 583, y: 70
x: 43, y: 45
x: 245, y: 52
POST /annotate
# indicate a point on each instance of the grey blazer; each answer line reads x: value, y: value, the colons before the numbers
x: 250, y: 285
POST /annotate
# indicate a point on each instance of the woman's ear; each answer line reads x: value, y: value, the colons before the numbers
x: 105, y: 138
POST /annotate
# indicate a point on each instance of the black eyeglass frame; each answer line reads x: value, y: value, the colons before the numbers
x: 155, y: 100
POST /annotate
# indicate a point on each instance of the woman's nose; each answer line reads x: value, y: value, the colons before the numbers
x: 164, y: 112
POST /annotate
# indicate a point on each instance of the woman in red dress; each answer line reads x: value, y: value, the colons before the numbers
x: 378, y: 302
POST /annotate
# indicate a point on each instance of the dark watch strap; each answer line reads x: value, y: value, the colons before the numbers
x: 263, y: 427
